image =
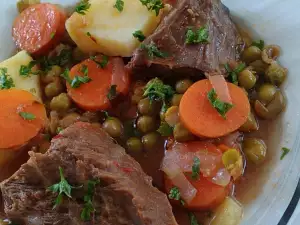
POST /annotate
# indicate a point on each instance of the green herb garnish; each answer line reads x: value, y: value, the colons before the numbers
x: 193, y: 219
x: 233, y: 74
x: 175, y: 195
x: 260, y: 44
x: 6, y: 82
x: 152, y: 51
x: 27, y: 116
x: 156, y: 90
x: 285, y: 151
x: 62, y: 188
x: 153, y: 5
x: 119, y: 5
x: 88, y: 34
x: 82, y: 7
x: 52, y: 35
x: 196, y: 168
x: 101, y: 64
x: 165, y: 130
x: 59, y: 129
x: 139, y: 35
x: 77, y: 81
x: 221, y: 107
x: 26, y: 71
x: 62, y: 59
x: 88, y: 200
x: 112, y: 93
x: 201, y: 35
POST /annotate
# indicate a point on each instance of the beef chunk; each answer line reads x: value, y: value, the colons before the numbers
x: 125, y: 195
x: 170, y: 36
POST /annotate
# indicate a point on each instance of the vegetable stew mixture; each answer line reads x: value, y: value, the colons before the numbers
x: 174, y: 83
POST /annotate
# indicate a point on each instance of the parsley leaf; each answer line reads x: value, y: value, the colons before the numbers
x: 88, y: 200
x: 6, y: 82
x: 119, y: 5
x: 165, y: 130
x: 62, y: 59
x: 62, y: 188
x: 153, y: 5
x: 77, y: 81
x: 82, y: 7
x: 52, y: 35
x: 27, y: 116
x: 285, y: 151
x: 152, y: 51
x: 139, y: 35
x: 174, y: 194
x: 156, y: 90
x: 260, y: 44
x: 193, y: 219
x: 89, y: 34
x: 201, y: 35
x: 112, y: 93
x: 233, y: 74
x: 26, y: 71
x: 221, y: 107
x: 101, y: 64
x: 196, y: 168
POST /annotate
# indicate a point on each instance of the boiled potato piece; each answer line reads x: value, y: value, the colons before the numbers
x: 30, y: 83
x: 105, y: 30
x: 230, y: 212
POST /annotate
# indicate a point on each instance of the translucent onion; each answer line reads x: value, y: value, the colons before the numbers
x: 222, y: 178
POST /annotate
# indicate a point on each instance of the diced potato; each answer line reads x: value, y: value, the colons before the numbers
x: 105, y: 30
x: 30, y: 83
x: 230, y: 212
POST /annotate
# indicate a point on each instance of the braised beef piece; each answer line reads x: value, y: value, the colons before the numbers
x: 225, y: 42
x: 125, y: 195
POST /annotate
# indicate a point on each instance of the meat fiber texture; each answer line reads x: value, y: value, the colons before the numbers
x: 225, y: 42
x: 124, y: 196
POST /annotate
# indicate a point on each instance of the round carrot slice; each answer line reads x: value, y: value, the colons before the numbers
x: 39, y: 28
x: 203, y: 120
x: 93, y: 94
x: 21, y: 118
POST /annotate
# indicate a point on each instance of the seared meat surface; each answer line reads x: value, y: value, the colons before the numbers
x: 124, y: 196
x: 225, y: 43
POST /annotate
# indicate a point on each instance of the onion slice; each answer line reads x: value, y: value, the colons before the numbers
x: 222, y: 178
x: 219, y: 84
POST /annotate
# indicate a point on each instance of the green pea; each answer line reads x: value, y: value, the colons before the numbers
x: 69, y: 119
x: 250, y: 125
x: 113, y: 127
x: 53, y: 89
x: 182, y: 85
x: 276, y: 74
x: 181, y: 134
x: 60, y: 103
x: 266, y: 93
x: 251, y: 54
x: 255, y: 150
x: 52, y: 75
x: 146, y: 124
x: 176, y: 99
x: 150, y: 140
x: 134, y: 145
x: 146, y: 107
x: 247, y: 79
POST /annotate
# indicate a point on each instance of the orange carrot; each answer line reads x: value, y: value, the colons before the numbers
x: 203, y: 120
x: 93, y: 94
x: 21, y: 116
x: 39, y: 28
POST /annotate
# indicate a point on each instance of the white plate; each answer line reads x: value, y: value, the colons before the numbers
x: 278, y: 22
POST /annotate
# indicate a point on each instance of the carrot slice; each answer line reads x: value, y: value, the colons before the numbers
x: 39, y: 28
x: 15, y: 130
x: 199, y: 116
x: 93, y: 95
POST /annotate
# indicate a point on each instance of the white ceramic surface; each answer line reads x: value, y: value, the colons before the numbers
x: 275, y: 21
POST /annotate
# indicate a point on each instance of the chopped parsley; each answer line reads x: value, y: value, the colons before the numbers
x: 82, y: 7
x: 101, y: 64
x: 119, y: 5
x: 52, y: 35
x: 112, y: 93
x: 62, y: 188
x: 233, y: 74
x: 62, y: 59
x: 196, y: 168
x: 201, y: 35
x: 156, y: 90
x: 165, y: 129
x: 139, y: 35
x: 59, y: 129
x: 77, y: 81
x: 175, y: 195
x: 88, y: 34
x: 153, y: 5
x: 221, y: 107
x: 193, y: 219
x: 260, y: 44
x: 152, y: 51
x: 26, y: 71
x: 6, y: 82
x: 88, y: 200
x: 27, y: 116
x: 285, y: 151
